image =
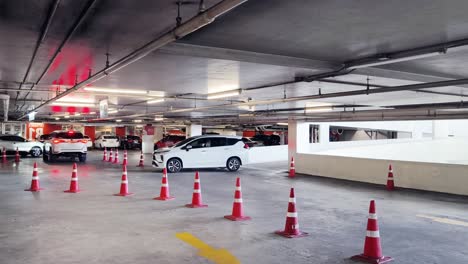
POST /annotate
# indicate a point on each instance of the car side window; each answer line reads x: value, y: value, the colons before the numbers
x: 201, y: 143
x: 18, y: 139
x: 218, y: 142
x: 232, y: 141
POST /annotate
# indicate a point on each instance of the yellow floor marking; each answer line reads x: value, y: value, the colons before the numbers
x: 444, y: 220
x: 217, y: 255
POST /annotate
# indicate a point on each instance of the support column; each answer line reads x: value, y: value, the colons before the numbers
x: 298, y: 137
x: 193, y: 130
x: 147, y: 145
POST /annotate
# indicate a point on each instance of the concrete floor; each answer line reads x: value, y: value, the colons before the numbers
x: 96, y: 227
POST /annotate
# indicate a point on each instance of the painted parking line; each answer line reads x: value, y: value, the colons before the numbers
x: 216, y: 255
x: 444, y: 220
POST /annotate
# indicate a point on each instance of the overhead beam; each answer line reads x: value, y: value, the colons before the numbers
x: 185, y: 49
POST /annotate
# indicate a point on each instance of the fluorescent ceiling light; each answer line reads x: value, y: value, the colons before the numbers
x: 282, y: 124
x: 113, y: 111
x: 384, y: 60
x: 158, y: 119
x: 155, y: 101
x: 318, y: 109
x: 77, y: 114
x: 113, y: 91
x: 77, y: 104
x: 138, y: 121
x: 92, y: 113
x: 57, y: 118
x: 246, y: 115
x: 224, y: 94
x: 67, y: 116
x: 118, y: 120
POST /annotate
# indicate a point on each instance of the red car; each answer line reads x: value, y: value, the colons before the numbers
x: 168, y: 141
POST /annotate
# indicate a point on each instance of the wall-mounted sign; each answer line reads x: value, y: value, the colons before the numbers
x: 103, y: 108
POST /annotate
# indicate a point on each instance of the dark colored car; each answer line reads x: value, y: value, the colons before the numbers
x: 168, y: 141
x: 249, y: 142
x: 130, y: 142
x: 43, y: 138
x: 266, y: 140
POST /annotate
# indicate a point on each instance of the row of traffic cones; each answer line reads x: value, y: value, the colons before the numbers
x: 390, y: 180
x: 4, y: 156
x: 115, y: 158
x: 35, y: 185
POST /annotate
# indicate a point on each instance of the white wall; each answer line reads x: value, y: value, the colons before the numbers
x: 268, y: 154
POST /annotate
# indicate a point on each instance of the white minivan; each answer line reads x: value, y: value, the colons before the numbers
x: 209, y: 151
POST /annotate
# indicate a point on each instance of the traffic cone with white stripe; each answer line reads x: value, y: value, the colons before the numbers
x: 196, y: 196
x: 104, y: 155
x: 74, y: 181
x: 125, y: 158
x: 35, y: 187
x: 164, y: 194
x: 124, y: 184
x: 17, y: 156
x: 237, y: 210
x: 390, y: 182
x: 4, y: 157
x: 292, y: 169
x: 372, y: 249
x: 111, y: 154
x: 291, y: 228
x: 116, y: 157
x: 142, y: 160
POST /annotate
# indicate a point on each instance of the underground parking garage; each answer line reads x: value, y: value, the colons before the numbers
x: 233, y: 131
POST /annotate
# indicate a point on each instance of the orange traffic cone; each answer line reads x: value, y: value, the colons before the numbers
x: 390, y: 182
x: 196, y: 196
x: 104, y: 155
x: 4, y: 157
x: 124, y: 184
x: 116, y: 156
x: 372, y: 250
x: 111, y: 153
x: 142, y: 160
x: 35, y: 181
x: 164, y: 194
x: 292, y: 169
x: 291, y: 229
x: 74, y: 181
x: 17, y: 156
x: 237, y: 210
x: 125, y: 158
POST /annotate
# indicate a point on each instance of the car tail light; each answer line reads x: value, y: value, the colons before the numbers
x: 84, y: 141
x: 56, y: 141
x: 246, y: 146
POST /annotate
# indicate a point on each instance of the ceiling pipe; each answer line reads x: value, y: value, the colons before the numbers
x: 193, y: 24
x: 67, y: 38
x: 6, y: 105
x: 45, y: 29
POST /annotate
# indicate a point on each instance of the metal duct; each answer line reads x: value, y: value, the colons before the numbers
x: 6, y: 105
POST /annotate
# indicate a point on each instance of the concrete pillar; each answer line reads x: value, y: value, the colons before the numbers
x: 298, y: 137
x: 193, y: 130
x: 147, y: 145
x: 158, y: 133
x: 440, y: 129
x: 324, y: 133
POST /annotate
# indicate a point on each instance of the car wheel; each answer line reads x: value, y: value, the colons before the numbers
x: 233, y: 164
x: 82, y: 158
x: 45, y: 157
x: 35, y: 152
x: 174, y: 165
x: 52, y: 157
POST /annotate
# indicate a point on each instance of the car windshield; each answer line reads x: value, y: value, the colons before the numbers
x: 70, y: 135
x: 110, y: 137
x: 183, y: 142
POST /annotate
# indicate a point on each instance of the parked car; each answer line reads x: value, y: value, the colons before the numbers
x: 206, y: 151
x: 106, y: 141
x: 42, y: 138
x: 267, y: 140
x: 70, y: 144
x: 130, y: 142
x: 89, y: 142
x: 249, y: 142
x: 168, y: 141
x: 25, y: 147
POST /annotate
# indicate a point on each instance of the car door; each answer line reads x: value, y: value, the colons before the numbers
x: 9, y: 143
x: 5, y: 143
x: 218, y: 153
x: 196, y: 155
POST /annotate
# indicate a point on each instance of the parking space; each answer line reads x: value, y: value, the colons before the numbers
x: 94, y: 226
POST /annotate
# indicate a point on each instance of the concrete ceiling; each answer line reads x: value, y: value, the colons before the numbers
x: 259, y: 43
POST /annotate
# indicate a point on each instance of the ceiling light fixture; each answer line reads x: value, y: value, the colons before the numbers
x: 57, y: 118
x: 67, y: 116
x: 282, y: 124
x: 113, y: 111
x: 155, y: 101
x: 118, y: 120
x: 224, y: 94
x: 77, y: 114
x: 112, y: 91
x: 318, y: 109
x: 388, y: 60
x: 138, y: 121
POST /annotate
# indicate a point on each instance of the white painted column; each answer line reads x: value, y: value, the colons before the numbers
x: 193, y: 130
x: 440, y: 129
x: 324, y: 133
x: 298, y: 137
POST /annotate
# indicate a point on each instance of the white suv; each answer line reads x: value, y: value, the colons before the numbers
x: 106, y: 141
x: 209, y: 151
x: 65, y: 144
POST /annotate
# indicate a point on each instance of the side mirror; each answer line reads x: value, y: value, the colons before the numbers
x: 188, y: 147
